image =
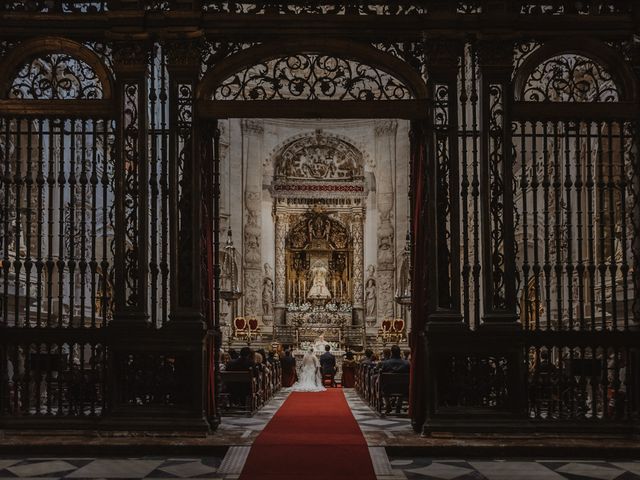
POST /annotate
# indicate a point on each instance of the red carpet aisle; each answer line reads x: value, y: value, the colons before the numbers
x: 312, y: 436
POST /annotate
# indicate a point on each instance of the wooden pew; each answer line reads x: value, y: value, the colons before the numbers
x: 391, y: 385
x: 239, y: 392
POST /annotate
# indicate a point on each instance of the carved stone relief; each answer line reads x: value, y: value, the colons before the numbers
x: 267, y: 295
x: 370, y: 296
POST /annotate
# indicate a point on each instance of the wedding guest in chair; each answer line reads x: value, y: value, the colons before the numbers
x: 288, y: 369
x: 348, y: 371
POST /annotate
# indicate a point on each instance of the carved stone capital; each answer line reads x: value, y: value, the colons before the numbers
x: 253, y: 126
x: 386, y: 127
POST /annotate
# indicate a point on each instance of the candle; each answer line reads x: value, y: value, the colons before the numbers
x: 335, y: 292
x: 304, y: 290
x: 340, y: 288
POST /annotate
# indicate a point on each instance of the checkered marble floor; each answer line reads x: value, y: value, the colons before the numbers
x: 432, y: 469
x: 394, y: 468
x: 249, y: 427
x: 370, y: 422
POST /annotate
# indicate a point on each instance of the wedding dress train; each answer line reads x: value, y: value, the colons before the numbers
x: 309, y: 376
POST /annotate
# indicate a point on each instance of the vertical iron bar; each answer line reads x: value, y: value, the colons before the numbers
x: 475, y: 186
x: 17, y: 263
x: 40, y: 181
x: 61, y: 229
x: 578, y: 184
x: 546, y: 184
x: 28, y: 264
x: 557, y: 185
x: 71, y: 232
x: 535, y: 183
x: 153, y: 185
x: 601, y: 235
x: 525, y: 223
x: 94, y: 218
x: 624, y: 268
x: 610, y: 185
x: 464, y: 189
x: 591, y: 229
x: 84, y: 180
x: 51, y: 183
x: 568, y: 183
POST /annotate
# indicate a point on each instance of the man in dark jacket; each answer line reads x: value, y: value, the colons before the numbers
x: 395, y: 364
x: 328, y: 364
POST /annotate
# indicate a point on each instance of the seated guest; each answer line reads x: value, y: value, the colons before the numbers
x: 348, y: 371
x: 233, y: 353
x: 288, y: 369
x: 243, y: 362
x: 368, y: 357
x: 238, y: 392
x: 395, y: 364
x: 407, y: 355
x: 386, y: 353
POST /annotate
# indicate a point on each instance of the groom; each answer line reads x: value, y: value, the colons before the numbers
x: 328, y: 364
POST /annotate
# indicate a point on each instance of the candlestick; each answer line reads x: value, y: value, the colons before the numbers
x: 340, y: 289
x: 335, y: 292
x: 304, y: 290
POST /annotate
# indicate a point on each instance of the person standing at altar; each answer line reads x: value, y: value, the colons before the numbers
x: 288, y: 369
x: 328, y: 364
x: 348, y: 370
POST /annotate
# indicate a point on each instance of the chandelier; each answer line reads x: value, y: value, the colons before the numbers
x: 229, y: 271
x: 403, y: 292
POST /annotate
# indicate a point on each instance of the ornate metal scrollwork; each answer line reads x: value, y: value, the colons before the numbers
x: 496, y: 196
x: 131, y: 190
x: 56, y: 76
x: 311, y: 77
x: 568, y: 7
x: 399, y: 7
x: 443, y: 196
x: 56, y: 6
x: 214, y: 52
x: 570, y: 78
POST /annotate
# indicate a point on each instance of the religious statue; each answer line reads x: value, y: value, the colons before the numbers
x: 370, y: 297
x: 319, y: 290
x: 267, y: 292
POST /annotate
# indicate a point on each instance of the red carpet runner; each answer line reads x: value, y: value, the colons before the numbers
x: 312, y: 436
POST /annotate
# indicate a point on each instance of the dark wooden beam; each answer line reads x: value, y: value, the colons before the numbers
x: 575, y: 111
x: 406, y: 109
x: 57, y: 108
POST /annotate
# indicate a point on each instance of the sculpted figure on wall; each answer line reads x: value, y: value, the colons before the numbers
x: 267, y: 294
x: 370, y: 296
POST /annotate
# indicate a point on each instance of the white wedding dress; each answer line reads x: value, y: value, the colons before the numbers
x: 309, y: 375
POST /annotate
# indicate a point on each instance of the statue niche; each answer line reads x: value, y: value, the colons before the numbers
x: 318, y: 262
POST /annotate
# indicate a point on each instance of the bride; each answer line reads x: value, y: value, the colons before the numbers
x: 309, y: 375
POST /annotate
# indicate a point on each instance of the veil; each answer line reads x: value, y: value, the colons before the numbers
x: 309, y: 378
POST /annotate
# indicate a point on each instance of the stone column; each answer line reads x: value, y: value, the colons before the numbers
x: 252, y: 136
x: 385, y: 155
x: 357, y: 279
x: 280, y: 274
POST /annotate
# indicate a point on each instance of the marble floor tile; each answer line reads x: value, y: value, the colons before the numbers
x: 41, y: 468
x: 515, y: 470
x: 188, y: 469
x: 120, y: 468
x: 441, y: 471
x: 591, y: 471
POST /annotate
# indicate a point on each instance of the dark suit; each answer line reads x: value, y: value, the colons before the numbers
x: 327, y: 363
x: 394, y: 365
